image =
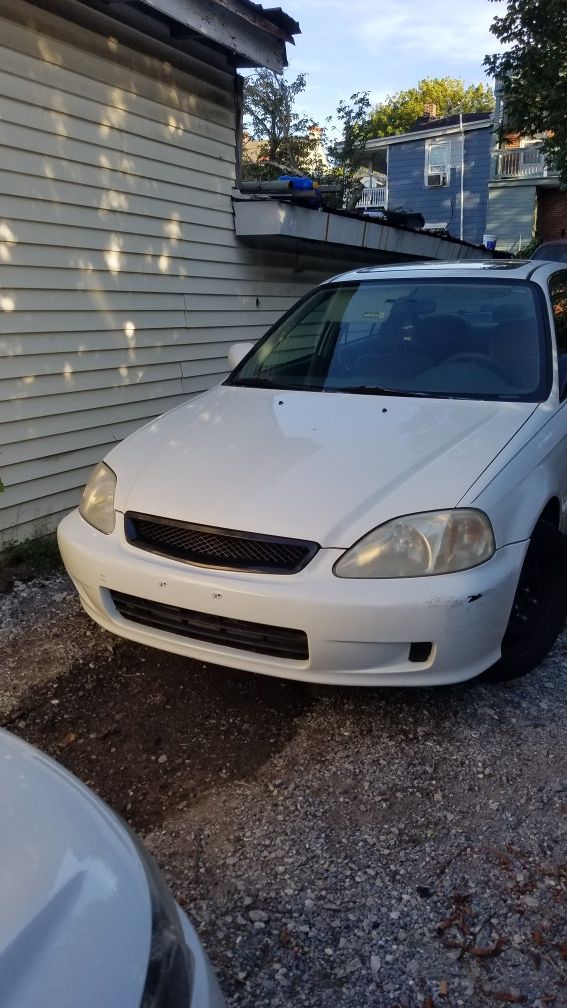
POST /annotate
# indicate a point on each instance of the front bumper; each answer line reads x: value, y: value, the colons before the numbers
x: 359, y: 631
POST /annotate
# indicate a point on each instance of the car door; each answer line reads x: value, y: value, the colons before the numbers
x: 558, y: 298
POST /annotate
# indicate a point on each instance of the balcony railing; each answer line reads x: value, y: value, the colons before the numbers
x: 375, y: 197
x: 521, y: 162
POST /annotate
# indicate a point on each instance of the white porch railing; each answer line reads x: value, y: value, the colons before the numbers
x: 521, y: 162
x: 375, y: 197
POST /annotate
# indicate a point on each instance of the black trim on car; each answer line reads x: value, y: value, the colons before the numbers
x: 243, y: 635
x: 218, y: 548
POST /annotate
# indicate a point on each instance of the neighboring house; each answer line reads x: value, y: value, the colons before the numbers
x: 127, y: 266
x: 439, y: 168
x: 524, y: 198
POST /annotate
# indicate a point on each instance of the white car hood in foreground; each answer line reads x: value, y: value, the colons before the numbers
x: 321, y: 466
x: 75, y: 913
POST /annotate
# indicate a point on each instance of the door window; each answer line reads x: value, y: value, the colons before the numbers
x: 558, y: 294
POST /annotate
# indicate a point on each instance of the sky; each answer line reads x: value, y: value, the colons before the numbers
x: 382, y: 46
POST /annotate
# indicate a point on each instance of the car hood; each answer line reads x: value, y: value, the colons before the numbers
x: 321, y: 466
x: 75, y: 915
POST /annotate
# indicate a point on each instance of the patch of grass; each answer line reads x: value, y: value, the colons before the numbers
x: 39, y: 555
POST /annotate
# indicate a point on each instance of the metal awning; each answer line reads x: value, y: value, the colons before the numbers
x: 274, y: 221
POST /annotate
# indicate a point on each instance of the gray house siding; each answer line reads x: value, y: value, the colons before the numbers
x: 511, y: 213
x: 407, y: 184
x: 123, y: 282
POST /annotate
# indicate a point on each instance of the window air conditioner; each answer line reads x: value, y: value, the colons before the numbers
x: 437, y: 179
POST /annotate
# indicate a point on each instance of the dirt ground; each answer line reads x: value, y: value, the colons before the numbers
x: 148, y: 731
x: 400, y: 849
x: 148, y: 737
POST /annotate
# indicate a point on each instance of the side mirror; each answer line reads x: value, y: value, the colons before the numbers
x: 238, y: 352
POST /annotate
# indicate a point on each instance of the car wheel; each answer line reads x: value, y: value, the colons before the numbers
x: 539, y: 608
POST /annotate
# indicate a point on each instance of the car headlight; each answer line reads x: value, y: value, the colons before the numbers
x: 169, y: 977
x: 97, y: 502
x: 435, y: 542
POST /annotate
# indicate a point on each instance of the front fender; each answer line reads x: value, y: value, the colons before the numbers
x: 517, y: 486
x: 515, y: 500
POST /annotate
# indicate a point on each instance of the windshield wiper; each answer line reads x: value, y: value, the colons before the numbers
x: 255, y: 383
x: 378, y: 390
x: 356, y: 389
x: 283, y: 386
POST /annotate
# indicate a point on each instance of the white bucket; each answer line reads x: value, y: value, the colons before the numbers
x: 489, y: 242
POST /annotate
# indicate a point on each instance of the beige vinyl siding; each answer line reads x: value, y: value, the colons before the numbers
x: 122, y: 284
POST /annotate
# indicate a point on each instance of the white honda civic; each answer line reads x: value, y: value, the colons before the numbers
x: 375, y: 495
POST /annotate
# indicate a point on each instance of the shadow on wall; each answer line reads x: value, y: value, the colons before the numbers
x: 113, y: 306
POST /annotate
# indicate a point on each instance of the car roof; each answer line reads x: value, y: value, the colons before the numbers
x: 547, y: 250
x: 519, y: 269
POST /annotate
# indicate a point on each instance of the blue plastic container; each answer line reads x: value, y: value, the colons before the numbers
x: 297, y: 181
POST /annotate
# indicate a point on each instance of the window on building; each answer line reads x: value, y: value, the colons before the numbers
x: 437, y: 163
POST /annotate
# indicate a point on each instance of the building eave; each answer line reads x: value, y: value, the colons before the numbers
x: 251, y: 35
x: 429, y: 134
x: 277, y: 221
x: 537, y: 181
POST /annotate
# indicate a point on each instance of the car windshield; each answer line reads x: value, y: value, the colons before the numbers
x: 466, y: 338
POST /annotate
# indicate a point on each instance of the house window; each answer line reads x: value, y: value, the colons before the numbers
x: 437, y: 163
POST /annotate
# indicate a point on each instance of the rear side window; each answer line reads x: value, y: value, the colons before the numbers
x: 552, y: 251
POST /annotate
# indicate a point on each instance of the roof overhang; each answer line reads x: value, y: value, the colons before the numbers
x: 535, y: 181
x: 278, y: 222
x: 251, y: 35
x: 428, y: 134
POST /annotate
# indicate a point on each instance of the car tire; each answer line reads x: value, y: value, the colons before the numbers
x: 539, y: 608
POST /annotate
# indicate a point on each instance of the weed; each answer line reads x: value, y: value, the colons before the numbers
x: 39, y: 555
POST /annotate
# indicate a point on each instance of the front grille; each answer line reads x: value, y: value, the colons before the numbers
x: 221, y: 548
x: 259, y: 638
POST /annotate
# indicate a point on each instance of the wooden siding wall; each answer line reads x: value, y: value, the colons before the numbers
x: 122, y: 284
x: 511, y: 213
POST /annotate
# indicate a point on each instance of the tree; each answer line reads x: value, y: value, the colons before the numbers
x: 347, y: 153
x: 289, y: 141
x: 450, y: 94
x: 533, y: 72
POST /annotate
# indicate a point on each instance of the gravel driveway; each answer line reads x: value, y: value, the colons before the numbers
x: 335, y: 847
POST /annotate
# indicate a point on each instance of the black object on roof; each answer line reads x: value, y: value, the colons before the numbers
x: 426, y: 122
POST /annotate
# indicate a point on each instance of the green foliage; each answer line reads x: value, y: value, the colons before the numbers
x: 286, y: 141
x: 529, y: 248
x: 450, y: 94
x: 270, y: 116
x: 41, y: 555
x: 261, y: 171
x: 347, y: 153
x: 533, y: 72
